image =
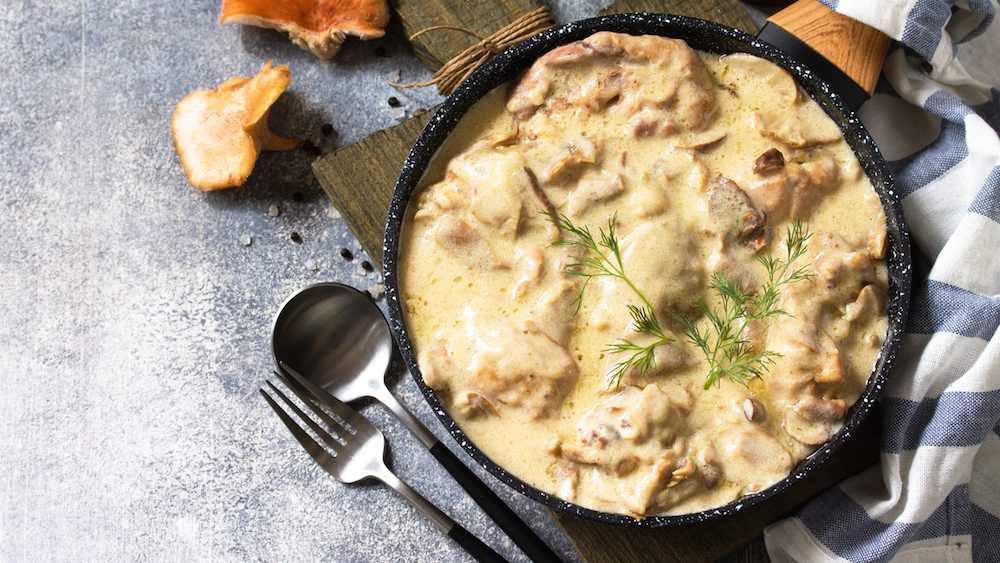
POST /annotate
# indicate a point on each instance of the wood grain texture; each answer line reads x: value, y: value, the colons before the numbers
x: 855, y: 48
x: 359, y: 179
x: 726, y: 12
x: 483, y: 17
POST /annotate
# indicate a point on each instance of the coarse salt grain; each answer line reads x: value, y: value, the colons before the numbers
x: 394, y: 76
x: 377, y: 290
x: 398, y: 113
x: 312, y: 265
x: 272, y: 211
x: 246, y: 240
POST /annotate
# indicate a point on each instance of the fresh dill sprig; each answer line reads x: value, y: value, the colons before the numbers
x: 642, y: 356
x: 608, y: 262
x: 724, y: 343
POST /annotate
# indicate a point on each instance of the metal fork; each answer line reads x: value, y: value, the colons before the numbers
x: 356, y: 452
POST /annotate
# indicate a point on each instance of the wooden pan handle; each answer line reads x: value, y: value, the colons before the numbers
x: 855, y: 48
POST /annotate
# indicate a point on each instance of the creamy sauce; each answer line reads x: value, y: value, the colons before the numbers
x: 702, y: 163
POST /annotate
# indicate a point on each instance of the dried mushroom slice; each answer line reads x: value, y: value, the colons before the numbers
x: 317, y: 25
x: 219, y: 133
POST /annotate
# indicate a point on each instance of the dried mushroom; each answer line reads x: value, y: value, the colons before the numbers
x: 317, y: 25
x: 219, y: 133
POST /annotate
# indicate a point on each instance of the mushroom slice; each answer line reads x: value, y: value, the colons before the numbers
x: 219, y: 133
x: 317, y: 25
x: 771, y: 79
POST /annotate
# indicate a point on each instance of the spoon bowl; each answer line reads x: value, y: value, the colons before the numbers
x: 337, y: 337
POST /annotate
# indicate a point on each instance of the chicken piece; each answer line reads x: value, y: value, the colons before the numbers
x: 498, y: 208
x: 678, y: 170
x: 823, y: 171
x: 805, y: 380
x: 660, y: 261
x: 757, y: 460
x: 869, y: 304
x: 493, y: 183
x: 792, y: 190
x: 445, y: 197
x: 489, y: 181
x: 553, y: 314
x: 773, y: 193
x: 319, y: 26
x: 464, y: 243
x: 668, y: 89
x: 612, y: 434
x: 568, y: 475
x: 594, y: 189
x: 664, y: 482
x: 219, y: 133
x: 652, y: 417
x: 810, y: 356
x: 649, y: 201
x: 876, y: 243
x: 498, y: 360
x: 840, y: 270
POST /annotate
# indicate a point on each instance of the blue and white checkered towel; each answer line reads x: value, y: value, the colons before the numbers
x: 935, y: 496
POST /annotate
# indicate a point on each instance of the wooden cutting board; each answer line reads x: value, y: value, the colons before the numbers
x: 359, y: 180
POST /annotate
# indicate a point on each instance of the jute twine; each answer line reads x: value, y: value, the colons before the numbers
x: 449, y: 76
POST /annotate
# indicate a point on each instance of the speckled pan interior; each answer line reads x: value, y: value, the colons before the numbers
x: 705, y: 36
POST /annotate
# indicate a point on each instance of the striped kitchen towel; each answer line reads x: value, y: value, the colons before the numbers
x: 935, y: 496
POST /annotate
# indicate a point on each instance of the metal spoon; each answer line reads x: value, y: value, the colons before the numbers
x: 338, y: 338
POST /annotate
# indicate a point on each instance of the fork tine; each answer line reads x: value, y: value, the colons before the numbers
x: 329, y: 436
x: 335, y: 424
x: 345, y: 412
x: 318, y: 453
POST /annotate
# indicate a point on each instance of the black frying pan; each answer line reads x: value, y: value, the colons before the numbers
x: 702, y: 35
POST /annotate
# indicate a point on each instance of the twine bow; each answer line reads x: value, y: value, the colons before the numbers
x: 449, y: 76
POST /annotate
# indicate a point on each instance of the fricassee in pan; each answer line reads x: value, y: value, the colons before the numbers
x: 646, y: 279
